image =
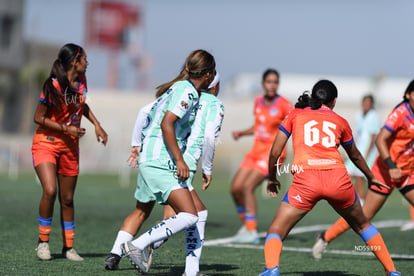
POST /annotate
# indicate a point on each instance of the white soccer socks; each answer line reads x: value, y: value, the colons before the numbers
x: 194, y: 239
x: 165, y: 229
x: 121, y: 238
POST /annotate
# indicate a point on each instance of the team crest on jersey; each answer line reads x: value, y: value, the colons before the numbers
x: 184, y: 104
x: 273, y: 111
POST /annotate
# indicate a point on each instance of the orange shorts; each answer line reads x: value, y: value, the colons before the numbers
x: 380, y: 171
x: 310, y: 186
x: 65, y: 159
x: 258, y: 160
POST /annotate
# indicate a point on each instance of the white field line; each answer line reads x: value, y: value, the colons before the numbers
x: 227, y: 242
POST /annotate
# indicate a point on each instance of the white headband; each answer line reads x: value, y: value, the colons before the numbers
x: 215, y: 81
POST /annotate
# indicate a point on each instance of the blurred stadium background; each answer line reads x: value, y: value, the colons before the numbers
x: 114, y: 33
x: 122, y: 80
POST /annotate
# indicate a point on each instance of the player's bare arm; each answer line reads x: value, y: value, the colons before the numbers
x: 359, y: 161
x: 40, y: 118
x: 237, y: 134
x: 384, y: 152
x: 273, y: 185
x: 100, y: 133
x: 168, y: 131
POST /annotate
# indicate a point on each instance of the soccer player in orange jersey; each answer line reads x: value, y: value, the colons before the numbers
x: 394, y: 166
x: 269, y: 111
x: 318, y: 173
x: 55, y: 147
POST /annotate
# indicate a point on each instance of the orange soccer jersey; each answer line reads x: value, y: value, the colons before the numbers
x: 316, y: 137
x: 69, y: 111
x: 267, y: 120
x: 55, y: 146
x: 401, y: 144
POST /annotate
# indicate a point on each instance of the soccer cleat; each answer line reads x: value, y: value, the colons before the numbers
x: 319, y: 246
x: 148, y: 255
x: 241, y: 231
x: 394, y: 273
x: 197, y: 274
x: 43, y: 251
x: 138, y: 258
x: 407, y: 226
x: 247, y: 237
x: 270, y: 272
x: 71, y: 254
x: 112, y: 261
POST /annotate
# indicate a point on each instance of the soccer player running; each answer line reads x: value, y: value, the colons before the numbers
x: 163, y: 173
x: 269, y: 111
x: 55, y: 147
x: 394, y: 166
x: 319, y: 173
x: 205, y: 130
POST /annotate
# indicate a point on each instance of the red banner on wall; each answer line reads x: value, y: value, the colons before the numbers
x: 108, y: 23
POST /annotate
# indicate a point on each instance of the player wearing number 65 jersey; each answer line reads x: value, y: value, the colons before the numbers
x: 394, y: 166
x: 318, y: 173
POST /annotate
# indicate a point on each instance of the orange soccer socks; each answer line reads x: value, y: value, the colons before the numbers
x: 241, y: 211
x: 272, y: 250
x: 68, y: 233
x: 250, y: 221
x: 339, y: 227
x: 45, y: 225
x: 374, y: 241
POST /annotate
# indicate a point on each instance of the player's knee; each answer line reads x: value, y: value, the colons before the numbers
x: 49, y: 193
x: 236, y: 191
x: 249, y: 189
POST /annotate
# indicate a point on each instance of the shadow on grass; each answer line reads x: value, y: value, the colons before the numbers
x: 83, y: 255
x: 174, y: 270
x: 320, y: 273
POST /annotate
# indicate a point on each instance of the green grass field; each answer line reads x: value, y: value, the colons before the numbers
x: 101, y: 206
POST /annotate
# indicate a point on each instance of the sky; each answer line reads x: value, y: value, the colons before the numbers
x: 347, y: 38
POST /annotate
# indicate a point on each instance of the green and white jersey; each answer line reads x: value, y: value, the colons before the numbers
x: 206, y: 128
x: 180, y: 99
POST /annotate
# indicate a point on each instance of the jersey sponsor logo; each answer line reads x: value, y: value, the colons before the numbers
x: 314, y: 162
x: 273, y: 111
